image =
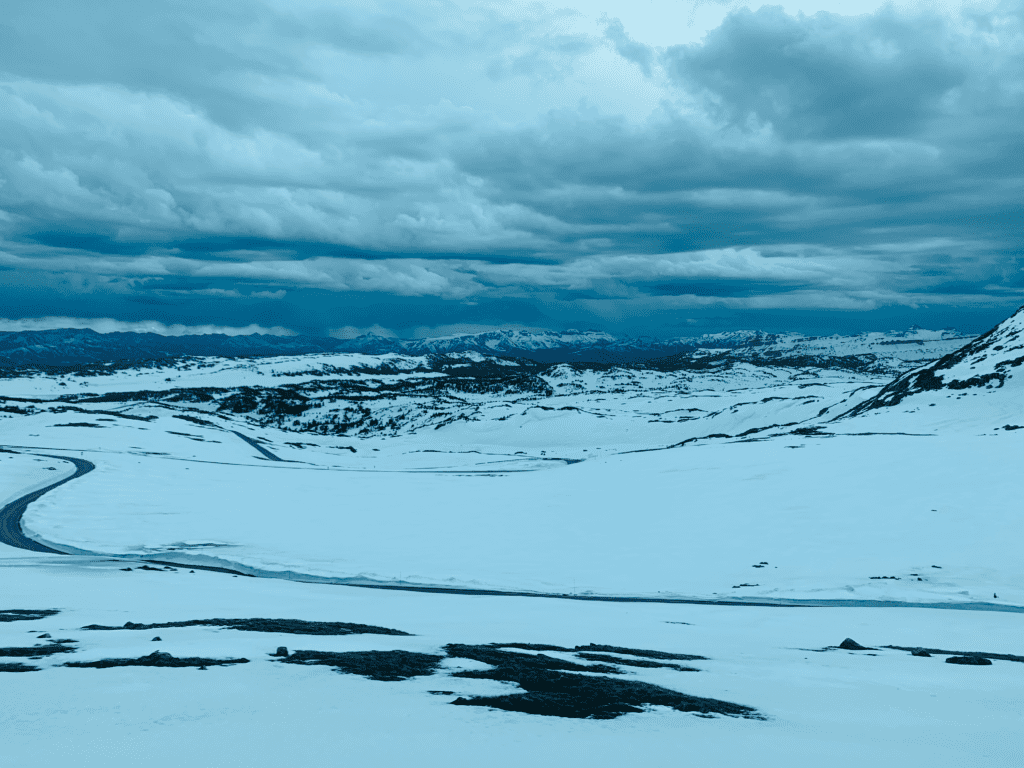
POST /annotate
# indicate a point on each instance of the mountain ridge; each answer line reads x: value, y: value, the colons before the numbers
x: 70, y: 347
x: 987, y: 362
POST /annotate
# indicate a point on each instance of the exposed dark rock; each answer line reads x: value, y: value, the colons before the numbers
x: 157, y: 639
x: 18, y: 614
x: 511, y: 662
x: 920, y: 652
x: 281, y: 651
x: 634, y: 662
x: 640, y: 652
x: 940, y: 652
x: 387, y: 666
x: 284, y: 626
x: 853, y: 645
x: 37, y: 650
x: 17, y: 667
x: 44, y: 636
x: 551, y: 691
x: 974, y: 661
x: 157, y: 659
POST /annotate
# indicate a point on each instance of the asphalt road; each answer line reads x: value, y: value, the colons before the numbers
x: 10, y: 516
x: 11, y: 534
x: 258, y: 447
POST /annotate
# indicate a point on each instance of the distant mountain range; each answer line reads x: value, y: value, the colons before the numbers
x: 73, y: 347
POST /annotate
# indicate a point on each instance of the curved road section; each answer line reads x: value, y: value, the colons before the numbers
x: 12, y: 534
x: 10, y: 516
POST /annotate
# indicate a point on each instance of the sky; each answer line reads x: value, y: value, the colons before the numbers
x: 660, y: 167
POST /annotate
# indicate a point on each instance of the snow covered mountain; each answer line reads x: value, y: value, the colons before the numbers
x: 990, y: 362
x: 63, y: 347
x: 723, y: 384
x: 69, y: 347
x: 513, y: 343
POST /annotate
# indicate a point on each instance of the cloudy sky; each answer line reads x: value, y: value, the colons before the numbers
x: 419, y: 167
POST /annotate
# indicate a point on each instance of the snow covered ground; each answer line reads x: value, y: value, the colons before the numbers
x: 836, y: 707
x: 737, y: 484
x: 826, y: 514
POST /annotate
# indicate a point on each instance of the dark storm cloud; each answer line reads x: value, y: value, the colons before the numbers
x: 827, y: 76
x: 306, y: 164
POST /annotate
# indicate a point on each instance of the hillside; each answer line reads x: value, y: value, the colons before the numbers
x: 990, y: 362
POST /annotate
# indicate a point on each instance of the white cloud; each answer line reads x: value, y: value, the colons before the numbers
x: 109, y: 325
x: 491, y: 151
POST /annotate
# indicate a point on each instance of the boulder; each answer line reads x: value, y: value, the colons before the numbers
x: 852, y: 645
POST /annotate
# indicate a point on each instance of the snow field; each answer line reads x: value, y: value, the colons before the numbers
x: 837, y: 708
x: 825, y: 514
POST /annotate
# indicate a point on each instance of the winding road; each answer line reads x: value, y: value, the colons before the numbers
x: 12, y: 535
x: 10, y: 516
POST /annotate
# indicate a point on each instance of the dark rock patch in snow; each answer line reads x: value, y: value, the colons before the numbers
x: 284, y: 626
x: 157, y: 659
x: 641, y: 652
x: 39, y: 650
x: 973, y: 661
x: 16, y: 667
x: 513, y: 663
x: 18, y: 614
x: 551, y: 691
x: 388, y: 666
x: 974, y: 654
x: 646, y: 663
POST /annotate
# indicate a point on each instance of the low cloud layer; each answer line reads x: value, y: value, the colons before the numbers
x: 109, y: 325
x: 313, y: 166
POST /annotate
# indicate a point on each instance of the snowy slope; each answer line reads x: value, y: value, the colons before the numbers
x: 991, y: 362
x: 836, y: 708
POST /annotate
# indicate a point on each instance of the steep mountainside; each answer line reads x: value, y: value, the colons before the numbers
x: 992, y: 361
